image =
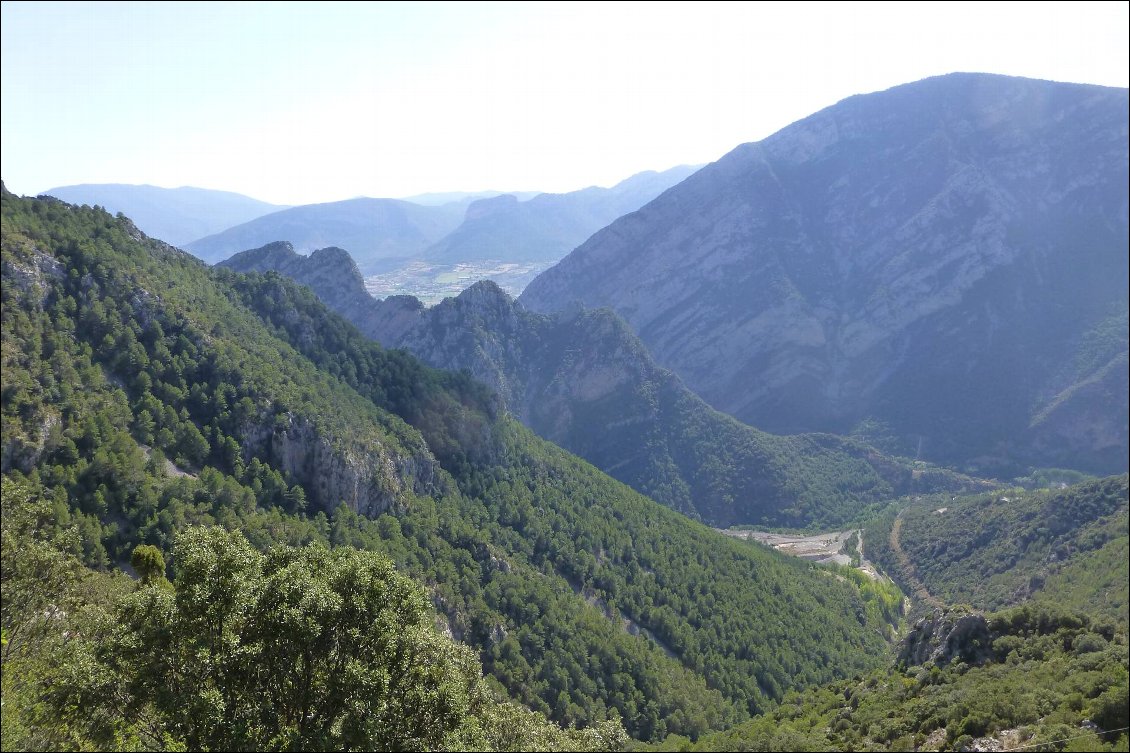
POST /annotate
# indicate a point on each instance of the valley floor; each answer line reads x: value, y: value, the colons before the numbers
x: 431, y: 283
x: 824, y: 548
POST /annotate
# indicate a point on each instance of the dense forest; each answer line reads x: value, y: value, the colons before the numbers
x: 298, y: 649
x: 146, y: 395
x: 1021, y: 641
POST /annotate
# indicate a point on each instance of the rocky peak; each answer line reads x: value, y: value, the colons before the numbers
x: 485, y: 296
x: 336, y: 259
x: 271, y: 256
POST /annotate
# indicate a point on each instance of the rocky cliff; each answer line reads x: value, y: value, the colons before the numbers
x: 946, y: 635
x: 370, y: 478
x: 942, y: 259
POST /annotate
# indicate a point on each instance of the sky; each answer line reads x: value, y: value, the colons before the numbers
x: 298, y: 103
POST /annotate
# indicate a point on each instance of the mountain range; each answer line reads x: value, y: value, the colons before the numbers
x: 547, y: 226
x: 585, y: 382
x: 377, y: 228
x: 242, y: 511
x: 383, y: 232
x: 942, y: 264
x: 175, y: 215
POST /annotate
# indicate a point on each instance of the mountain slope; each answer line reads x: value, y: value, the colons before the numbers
x: 76, y: 674
x: 1045, y: 680
x: 547, y: 226
x: 1052, y: 669
x: 374, y: 229
x: 175, y: 215
x: 586, y: 383
x: 1062, y: 547
x: 145, y: 392
x: 931, y: 259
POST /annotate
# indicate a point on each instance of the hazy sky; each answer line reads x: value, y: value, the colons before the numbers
x: 296, y: 103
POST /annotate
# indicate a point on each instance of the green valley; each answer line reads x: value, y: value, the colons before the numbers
x: 145, y: 394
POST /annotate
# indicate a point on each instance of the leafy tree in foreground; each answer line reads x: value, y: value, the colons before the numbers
x: 299, y: 649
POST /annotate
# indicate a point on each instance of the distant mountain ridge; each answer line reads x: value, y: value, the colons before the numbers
x: 585, y: 382
x: 503, y: 227
x: 547, y: 226
x: 946, y: 261
x: 175, y: 215
x: 437, y: 198
x: 374, y: 228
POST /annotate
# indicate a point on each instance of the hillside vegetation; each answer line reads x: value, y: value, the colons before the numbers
x: 1049, y: 671
x: 1000, y: 549
x: 298, y: 649
x: 145, y: 393
x: 1051, y: 680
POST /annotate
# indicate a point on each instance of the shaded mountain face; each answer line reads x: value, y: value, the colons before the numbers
x: 373, y: 229
x: 175, y: 215
x: 585, y: 382
x: 945, y: 261
x: 547, y: 226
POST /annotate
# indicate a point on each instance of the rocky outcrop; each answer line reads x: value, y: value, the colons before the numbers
x: 945, y: 636
x: 929, y: 257
x: 369, y: 479
x: 334, y: 277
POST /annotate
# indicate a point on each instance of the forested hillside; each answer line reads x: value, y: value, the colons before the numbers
x: 145, y: 393
x: 301, y: 648
x: 1060, y: 546
x: 1044, y: 680
x: 1049, y: 672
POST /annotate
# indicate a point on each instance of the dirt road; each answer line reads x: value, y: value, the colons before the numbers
x: 906, y: 567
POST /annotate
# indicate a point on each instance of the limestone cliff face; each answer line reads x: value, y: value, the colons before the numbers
x: 945, y: 636
x: 928, y: 257
x: 369, y: 479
